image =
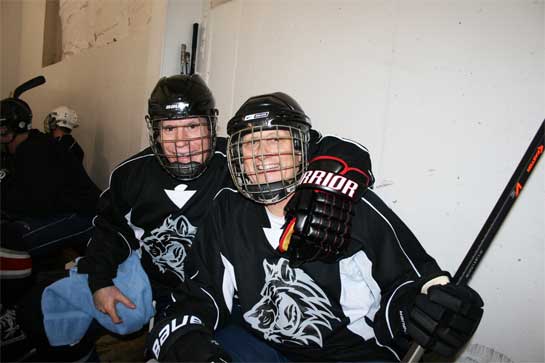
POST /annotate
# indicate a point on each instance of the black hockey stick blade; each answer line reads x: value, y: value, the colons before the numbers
x: 194, y: 47
x: 31, y: 83
x: 494, y: 221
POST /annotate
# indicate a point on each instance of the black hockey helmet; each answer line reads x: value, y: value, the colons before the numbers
x: 15, y: 116
x: 273, y: 111
x: 176, y: 98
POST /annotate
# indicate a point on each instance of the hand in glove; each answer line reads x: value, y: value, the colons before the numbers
x: 319, y: 215
x: 184, y: 340
x: 444, y: 319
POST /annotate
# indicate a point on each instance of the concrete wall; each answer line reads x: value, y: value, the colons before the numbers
x: 447, y: 96
x: 107, y: 83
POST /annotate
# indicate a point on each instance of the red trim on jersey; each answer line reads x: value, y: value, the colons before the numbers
x: 7, y: 263
x: 285, y: 239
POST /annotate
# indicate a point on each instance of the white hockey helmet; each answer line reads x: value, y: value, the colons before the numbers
x: 61, y: 116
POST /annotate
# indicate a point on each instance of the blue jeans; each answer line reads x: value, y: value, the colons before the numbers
x: 242, y: 345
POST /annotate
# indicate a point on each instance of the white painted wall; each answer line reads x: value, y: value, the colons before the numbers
x: 447, y: 96
x: 107, y: 84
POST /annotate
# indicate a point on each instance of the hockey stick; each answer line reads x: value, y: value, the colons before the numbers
x: 31, y: 83
x: 194, y: 47
x: 183, y: 68
x: 493, y: 223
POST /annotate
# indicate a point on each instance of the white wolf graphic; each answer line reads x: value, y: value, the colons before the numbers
x: 168, y: 244
x: 292, y: 307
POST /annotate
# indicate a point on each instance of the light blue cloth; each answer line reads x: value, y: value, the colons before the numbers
x: 68, y: 307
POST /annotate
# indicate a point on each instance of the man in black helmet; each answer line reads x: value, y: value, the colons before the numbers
x: 310, y: 287
x: 156, y: 199
x: 155, y: 203
x: 47, y: 202
x: 46, y: 197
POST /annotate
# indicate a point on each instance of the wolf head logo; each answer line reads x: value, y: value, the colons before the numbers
x: 292, y: 307
x: 168, y: 244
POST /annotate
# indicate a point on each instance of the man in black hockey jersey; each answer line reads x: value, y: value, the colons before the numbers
x: 156, y: 199
x: 313, y: 283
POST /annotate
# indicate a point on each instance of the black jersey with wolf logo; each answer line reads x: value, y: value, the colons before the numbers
x: 318, y: 311
x: 145, y: 208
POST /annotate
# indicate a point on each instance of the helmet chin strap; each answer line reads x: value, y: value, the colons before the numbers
x: 185, y: 169
x: 271, y: 193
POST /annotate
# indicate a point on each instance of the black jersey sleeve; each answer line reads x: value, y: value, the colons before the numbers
x: 398, y: 240
x: 113, y: 240
x: 401, y: 266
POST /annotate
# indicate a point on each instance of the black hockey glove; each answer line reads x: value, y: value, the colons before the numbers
x: 184, y: 340
x: 444, y: 319
x: 319, y: 215
x: 441, y: 321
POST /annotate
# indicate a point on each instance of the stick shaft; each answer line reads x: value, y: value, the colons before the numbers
x: 493, y: 222
x: 194, y: 47
x: 501, y: 209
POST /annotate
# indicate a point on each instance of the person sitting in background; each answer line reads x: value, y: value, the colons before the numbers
x: 47, y: 193
x: 47, y: 198
x: 59, y: 123
x: 47, y: 203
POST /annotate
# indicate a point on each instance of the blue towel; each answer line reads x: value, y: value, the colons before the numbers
x: 68, y: 306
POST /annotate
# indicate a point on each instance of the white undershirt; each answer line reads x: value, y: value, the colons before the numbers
x: 273, y: 234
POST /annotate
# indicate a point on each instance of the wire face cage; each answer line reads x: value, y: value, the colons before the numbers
x: 183, y: 146
x: 267, y: 161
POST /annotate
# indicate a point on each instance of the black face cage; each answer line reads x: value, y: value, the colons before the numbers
x: 192, y: 169
x: 268, y: 191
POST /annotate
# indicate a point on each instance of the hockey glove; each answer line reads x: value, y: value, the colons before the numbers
x: 441, y: 321
x: 319, y: 215
x: 444, y: 319
x: 184, y: 340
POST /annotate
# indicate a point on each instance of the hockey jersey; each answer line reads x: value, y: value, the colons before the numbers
x: 315, y: 312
